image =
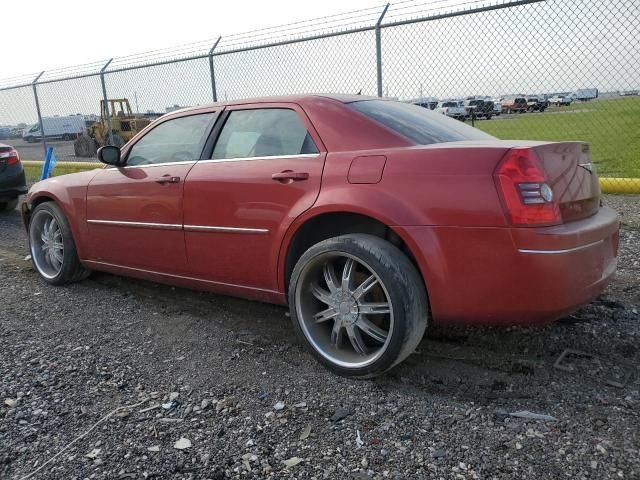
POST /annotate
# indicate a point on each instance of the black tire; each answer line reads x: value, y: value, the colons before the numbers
x: 71, y: 270
x: 67, y: 137
x: 9, y: 205
x: 406, y: 294
x: 30, y: 139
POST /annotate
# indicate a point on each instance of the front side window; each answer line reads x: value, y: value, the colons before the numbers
x: 177, y: 140
x: 417, y: 124
x: 266, y: 132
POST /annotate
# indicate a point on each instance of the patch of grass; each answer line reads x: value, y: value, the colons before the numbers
x: 610, y: 126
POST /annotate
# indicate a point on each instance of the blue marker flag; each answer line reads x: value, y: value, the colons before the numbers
x: 49, y: 164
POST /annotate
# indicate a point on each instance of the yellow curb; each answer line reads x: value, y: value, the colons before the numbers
x: 78, y: 165
x: 620, y: 185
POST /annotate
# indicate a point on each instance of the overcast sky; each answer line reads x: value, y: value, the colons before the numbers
x: 73, y: 32
x: 543, y: 47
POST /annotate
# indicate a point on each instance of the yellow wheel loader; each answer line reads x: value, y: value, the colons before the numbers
x: 124, y: 125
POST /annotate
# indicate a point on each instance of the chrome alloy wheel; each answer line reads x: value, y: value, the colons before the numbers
x: 349, y: 320
x: 47, y: 246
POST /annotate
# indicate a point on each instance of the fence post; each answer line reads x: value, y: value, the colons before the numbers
x: 35, y: 95
x: 379, y: 50
x: 213, y: 75
x: 106, y: 100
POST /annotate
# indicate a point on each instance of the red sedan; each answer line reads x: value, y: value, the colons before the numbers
x: 369, y: 217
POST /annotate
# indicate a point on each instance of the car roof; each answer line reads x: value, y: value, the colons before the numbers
x: 296, y: 98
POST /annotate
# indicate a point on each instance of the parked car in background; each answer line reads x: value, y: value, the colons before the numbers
x: 16, y: 133
x: 479, y: 108
x: 5, y: 133
x: 12, y: 179
x: 426, y: 102
x: 514, y: 105
x: 537, y: 104
x: 371, y: 218
x: 452, y: 108
x: 561, y: 99
x: 497, y: 106
x: 56, y: 128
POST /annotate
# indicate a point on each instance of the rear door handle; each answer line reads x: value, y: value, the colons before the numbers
x: 289, y: 175
x: 168, y: 179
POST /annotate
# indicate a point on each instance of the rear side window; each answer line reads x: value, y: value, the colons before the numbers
x: 267, y: 132
x: 419, y: 125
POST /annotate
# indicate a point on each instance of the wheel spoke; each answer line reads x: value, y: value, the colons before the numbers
x: 48, y: 257
x: 57, y: 245
x: 373, y: 308
x: 364, y: 287
x: 325, y: 315
x: 347, y: 275
x: 321, y: 294
x: 57, y: 255
x: 52, y: 227
x: 356, y: 340
x: 330, y: 277
x: 372, y: 329
x: 336, y: 334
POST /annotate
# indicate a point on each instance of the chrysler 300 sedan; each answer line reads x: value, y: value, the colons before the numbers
x: 371, y: 218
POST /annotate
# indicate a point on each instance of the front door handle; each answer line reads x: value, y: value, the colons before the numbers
x: 168, y: 179
x: 290, y: 176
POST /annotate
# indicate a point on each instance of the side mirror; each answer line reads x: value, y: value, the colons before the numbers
x: 110, y: 155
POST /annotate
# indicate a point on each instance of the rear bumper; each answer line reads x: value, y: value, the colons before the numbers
x: 12, y: 183
x: 494, y: 276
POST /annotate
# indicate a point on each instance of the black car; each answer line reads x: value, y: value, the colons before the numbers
x: 480, y: 108
x: 12, y: 180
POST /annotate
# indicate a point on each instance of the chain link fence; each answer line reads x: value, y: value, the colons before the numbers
x: 529, y: 69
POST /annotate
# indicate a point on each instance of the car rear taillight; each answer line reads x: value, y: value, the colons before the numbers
x: 522, y: 184
x: 10, y: 156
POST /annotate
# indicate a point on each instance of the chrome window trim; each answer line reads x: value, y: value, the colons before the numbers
x: 555, y: 252
x: 243, y: 159
x: 118, y: 223
x: 186, y: 162
x: 203, y: 228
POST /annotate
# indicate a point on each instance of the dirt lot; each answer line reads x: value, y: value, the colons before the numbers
x: 226, y: 381
x: 34, y: 151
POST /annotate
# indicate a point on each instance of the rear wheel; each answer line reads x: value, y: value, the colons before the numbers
x: 9, y: 205
x: 358, y: 304
x: 53, y: 250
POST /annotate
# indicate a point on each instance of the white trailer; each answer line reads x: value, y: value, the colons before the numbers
x: 585, y: 94
x: 56, y: 128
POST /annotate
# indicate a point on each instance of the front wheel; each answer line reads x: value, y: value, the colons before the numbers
x: 358, y: 304
x: 53, y: 250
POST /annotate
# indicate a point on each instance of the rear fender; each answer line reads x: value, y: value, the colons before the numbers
x: 380, y: 206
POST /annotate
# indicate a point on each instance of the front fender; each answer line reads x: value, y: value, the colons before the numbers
x: 69, y: 192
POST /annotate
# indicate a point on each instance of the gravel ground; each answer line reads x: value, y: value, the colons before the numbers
x: 176, y: 384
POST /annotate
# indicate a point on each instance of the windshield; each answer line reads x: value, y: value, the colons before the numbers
x: 419, y: 125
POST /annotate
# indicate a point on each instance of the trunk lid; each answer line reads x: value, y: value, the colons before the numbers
x: 572, y: 177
